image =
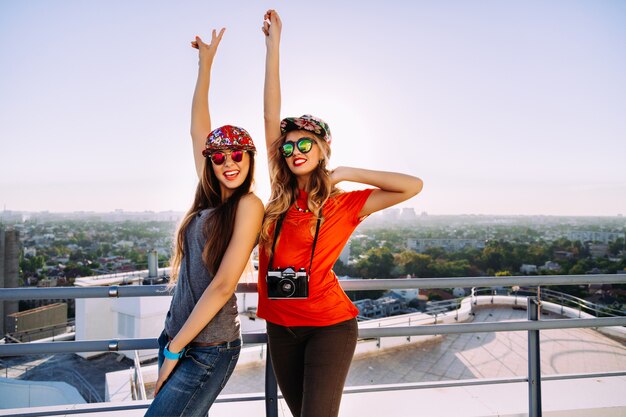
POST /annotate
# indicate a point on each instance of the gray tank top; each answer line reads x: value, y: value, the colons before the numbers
x: 193, y: 279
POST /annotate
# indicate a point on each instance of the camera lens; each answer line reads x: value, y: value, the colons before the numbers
x: 287, y: 287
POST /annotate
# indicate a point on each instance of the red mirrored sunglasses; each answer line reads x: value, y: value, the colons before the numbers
x: 219, y: 157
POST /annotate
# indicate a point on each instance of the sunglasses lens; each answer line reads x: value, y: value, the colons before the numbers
x: 287, y: 149
x: 305, y: 145
x: 218, y: 158
x: 236, y: 156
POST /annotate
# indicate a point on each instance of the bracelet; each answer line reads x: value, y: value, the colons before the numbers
x: 171, y: 355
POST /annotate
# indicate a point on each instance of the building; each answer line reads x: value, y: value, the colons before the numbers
x: 396, y: 302
x: 550, y: 267
x: 369, y: 309
x: 562, y: 255
x: 599, y: 250
x: 406, y: 294
x: 408, y: 214
x: 392, y: 306
x: 528, y: 269
x: 391, y: 213
x: 344, y: 256
x: 9, y: 267
x: 591, y: 236
x: 420, y: 245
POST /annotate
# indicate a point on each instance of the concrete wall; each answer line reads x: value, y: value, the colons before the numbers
x: 38, y: 318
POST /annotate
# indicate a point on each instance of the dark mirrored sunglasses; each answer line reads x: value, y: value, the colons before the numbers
x: 219, y: 157
x: 304, y: 145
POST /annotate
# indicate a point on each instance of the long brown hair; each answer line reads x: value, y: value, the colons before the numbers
x: 285, y: 187
x: 218, y: 227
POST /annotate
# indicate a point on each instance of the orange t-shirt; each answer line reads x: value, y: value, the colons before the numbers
x: 327, y: 303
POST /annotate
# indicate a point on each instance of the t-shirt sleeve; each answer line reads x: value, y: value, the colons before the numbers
x: 352, y: 202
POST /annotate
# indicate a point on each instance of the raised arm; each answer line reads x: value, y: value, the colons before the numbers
x: 200, y: 116
x: 272, y: 27
x: 393, y: 187
x: 247, y: 225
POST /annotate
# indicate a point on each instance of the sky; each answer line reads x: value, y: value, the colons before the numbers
x: 503, y: 108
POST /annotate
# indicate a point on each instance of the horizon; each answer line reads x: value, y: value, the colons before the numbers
x: 503, y: 109
x: 376, y: 214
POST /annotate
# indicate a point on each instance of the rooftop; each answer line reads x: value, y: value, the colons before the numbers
x: 425, y: 376
x: 583, y: 371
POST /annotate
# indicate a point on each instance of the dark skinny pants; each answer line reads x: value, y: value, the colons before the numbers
x: 311, y: 365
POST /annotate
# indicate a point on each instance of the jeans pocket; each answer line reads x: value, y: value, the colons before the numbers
x: 205, y: 358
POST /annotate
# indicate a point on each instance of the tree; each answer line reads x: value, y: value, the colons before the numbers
x: 616, y: 246
x: 492, y: 258
x: 377, y: 263
x: 77, y: 256
x: 29, y: 265
x: 581, y: 267
x: 74, y: 271
x: 442, y: 268
x: 413, y: 263
x: 342, y: 269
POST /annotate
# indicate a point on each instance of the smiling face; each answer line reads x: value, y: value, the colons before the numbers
x: 230, y: 174
x: 299, y: 163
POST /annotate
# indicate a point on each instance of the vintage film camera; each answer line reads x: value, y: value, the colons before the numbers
x: 287, y: 283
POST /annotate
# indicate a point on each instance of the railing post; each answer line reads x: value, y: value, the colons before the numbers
x: 534, y: 361
x: 271, y: 387
x: 408, y: 338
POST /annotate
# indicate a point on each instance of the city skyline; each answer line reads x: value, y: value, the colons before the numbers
x: 502, y: 109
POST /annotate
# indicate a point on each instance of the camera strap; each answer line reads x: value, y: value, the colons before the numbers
x: 279, y: 225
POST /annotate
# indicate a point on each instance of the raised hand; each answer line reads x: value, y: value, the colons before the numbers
x: 207, y: 51
x: 272, y: 27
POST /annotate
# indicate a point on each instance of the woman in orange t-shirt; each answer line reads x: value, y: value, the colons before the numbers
x: 311, y: 323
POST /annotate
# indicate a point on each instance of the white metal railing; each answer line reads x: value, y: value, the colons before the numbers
x: 533, y: 325
x: 137, y: 383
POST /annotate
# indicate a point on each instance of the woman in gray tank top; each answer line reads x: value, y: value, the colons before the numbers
x: 200, y: 344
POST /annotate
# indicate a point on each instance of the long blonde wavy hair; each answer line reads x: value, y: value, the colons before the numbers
x: 285, y: 188
x: 218, y: 228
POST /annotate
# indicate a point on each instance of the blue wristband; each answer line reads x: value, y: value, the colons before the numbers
x: 171, y: 355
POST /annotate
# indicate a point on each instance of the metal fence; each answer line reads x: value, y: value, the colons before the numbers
x: 533, y: 325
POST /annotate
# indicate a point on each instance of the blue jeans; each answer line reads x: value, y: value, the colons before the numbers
x: 196, y: 381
